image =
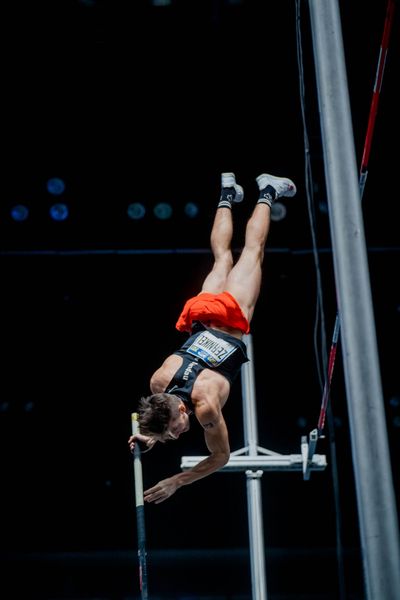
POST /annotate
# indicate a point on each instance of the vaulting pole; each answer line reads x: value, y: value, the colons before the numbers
x: 141, y: 532
x: 370, y: 450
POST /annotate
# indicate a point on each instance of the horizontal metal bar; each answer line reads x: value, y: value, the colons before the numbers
x: 281, y: 462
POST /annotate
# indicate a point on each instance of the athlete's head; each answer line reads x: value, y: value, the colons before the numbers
x: 163, y: 416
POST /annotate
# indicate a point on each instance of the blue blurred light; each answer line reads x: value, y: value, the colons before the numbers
x: 59, y: 212
x: 55, y: 186
x: 323, y: 207
x: 19, y: 212
x: 136, y: 211
x: 301, y: 422
x: 191, y: 210
x: 278, y: 211
x: 163, y: 210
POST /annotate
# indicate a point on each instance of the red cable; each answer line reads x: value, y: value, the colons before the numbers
x: 378, y: 83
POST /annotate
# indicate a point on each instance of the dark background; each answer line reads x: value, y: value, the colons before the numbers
x: 132, y: 102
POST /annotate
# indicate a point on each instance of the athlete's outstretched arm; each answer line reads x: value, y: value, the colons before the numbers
x: 217, y: 441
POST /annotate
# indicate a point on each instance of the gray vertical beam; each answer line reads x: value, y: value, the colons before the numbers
x: 254, y: 501
x: 370, y: 451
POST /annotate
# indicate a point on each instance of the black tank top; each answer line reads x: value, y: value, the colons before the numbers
x: 206, y: 348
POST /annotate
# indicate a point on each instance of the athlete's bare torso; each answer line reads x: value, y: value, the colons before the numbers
x: 209, y: 384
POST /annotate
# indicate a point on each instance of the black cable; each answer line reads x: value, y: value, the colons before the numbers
x: 320, y: 316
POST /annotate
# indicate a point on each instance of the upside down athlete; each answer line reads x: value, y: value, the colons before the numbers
x: 196, y: 379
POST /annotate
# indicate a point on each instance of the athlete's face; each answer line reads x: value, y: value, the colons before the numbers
x: 179, y: 423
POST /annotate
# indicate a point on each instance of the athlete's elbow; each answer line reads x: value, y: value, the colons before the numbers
x: 223, y: 458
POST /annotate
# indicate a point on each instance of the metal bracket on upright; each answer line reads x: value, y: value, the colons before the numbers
x: 308, y: 453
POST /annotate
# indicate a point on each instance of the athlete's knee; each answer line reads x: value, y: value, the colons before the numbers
x: 252, y: 255
x: 223, y: 261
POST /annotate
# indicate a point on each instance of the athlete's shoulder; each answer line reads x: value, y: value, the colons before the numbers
x: 163, y: 375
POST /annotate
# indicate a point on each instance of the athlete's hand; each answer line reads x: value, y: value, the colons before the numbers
x: 163, y: 490
x: 145, y: 439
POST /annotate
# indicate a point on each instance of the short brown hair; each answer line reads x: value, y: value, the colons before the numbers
x: 155, y: 413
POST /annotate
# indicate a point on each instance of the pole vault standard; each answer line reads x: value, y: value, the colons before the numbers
x: 379, y: 529
x: 253, y: 460
x: 141, y: 531
x: 317, y: 433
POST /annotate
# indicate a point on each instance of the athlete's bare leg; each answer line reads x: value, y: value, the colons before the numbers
x: 221, y: 237
x: 244, y: 280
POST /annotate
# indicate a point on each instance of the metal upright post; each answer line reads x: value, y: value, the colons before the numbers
x: 371, y: 459
x: 254, y: 500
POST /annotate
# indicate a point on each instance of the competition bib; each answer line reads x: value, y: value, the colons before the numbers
x: 211, y: 349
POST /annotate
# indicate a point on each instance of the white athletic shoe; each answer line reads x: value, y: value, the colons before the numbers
x: 228, y: 180
x: 281, y: 185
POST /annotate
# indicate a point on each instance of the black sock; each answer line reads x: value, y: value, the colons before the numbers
x: 227, y: 197
x: 267, y: 195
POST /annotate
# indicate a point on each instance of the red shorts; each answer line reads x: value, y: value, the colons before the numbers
x: 221, y: 309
